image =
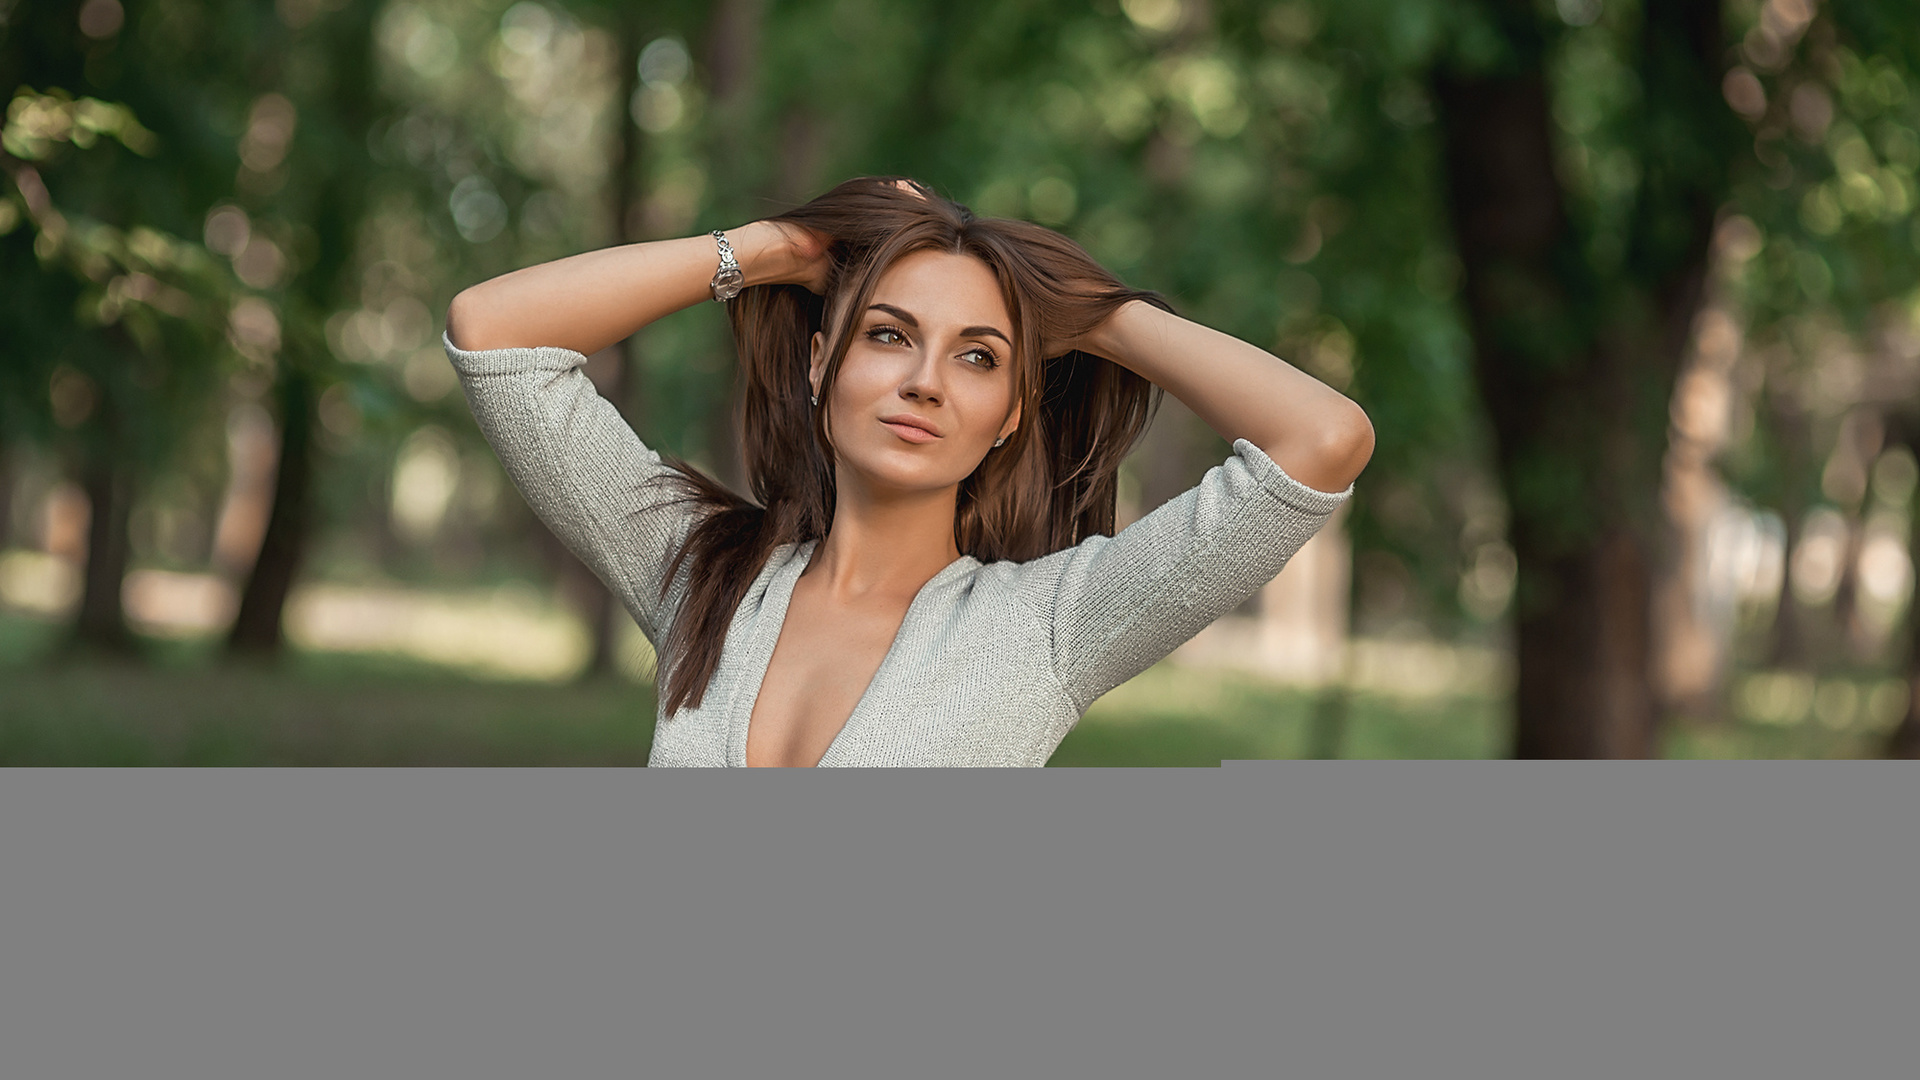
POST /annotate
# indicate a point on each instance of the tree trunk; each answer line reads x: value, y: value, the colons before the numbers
x: 1904, y: 742
x: 732, y: 51
x: 736, y: 141
x: 107, y: 478
x: 8, y: 482
x: 1792, y: 433
x: 802, y: 140
x: 1694, y: 612
x: 608, y: 370
x: 1584, y: 689
x: 1575, y: 368
x: 612, y: 371
x: 1583, y: 597
x: 332, y: 211
x: 1863, y: 436
x: 1333, y: 708
x: 257, y: 630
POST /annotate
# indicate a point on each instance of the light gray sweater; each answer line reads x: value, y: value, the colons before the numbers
x: 994, y: 662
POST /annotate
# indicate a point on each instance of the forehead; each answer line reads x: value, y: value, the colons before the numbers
x: 939, y: 287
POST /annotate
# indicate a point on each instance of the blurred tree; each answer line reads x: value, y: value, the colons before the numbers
x: 118, y: 318
x: 1589, y: 157
x: 304, y: 175
x: 1576, y: 354
x: 1491, y: 222
x: 515, y: 139
x: 1831, y: 95
x: 1904, y: 740
x: 630, y: 28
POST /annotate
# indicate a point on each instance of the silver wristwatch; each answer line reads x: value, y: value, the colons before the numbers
x: 728, y: 280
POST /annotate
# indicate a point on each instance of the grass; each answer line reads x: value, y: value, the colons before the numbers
x: 1180, y: 716
x: 1747, y: 740
x: 177, y: 705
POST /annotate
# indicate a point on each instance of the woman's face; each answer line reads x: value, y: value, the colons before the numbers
x: 927, y: 383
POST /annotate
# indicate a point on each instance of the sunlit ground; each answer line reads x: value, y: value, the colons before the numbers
x: 381, y: 705
x: 182, y: 707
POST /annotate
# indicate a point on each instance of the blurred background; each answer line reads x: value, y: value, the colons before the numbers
x: 1631, y: 289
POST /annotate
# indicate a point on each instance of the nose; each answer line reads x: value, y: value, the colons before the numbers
x: 924, y: 381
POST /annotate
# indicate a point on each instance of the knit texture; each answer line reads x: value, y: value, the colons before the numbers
x: 994, y: 662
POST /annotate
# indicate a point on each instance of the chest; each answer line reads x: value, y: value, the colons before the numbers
x: 825, y: 657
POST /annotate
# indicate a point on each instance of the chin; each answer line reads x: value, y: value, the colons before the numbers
x: 905, y: 468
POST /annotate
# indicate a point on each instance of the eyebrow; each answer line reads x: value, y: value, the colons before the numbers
x: 968, y: 331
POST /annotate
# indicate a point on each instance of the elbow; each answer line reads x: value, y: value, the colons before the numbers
x: 1356, y: 442
x: 1349, y: 445
x: 464, y: 322
x: 1332, y: 458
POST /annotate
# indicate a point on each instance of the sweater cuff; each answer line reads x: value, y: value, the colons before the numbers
x: 1275, y: 481
x: 508, y: 361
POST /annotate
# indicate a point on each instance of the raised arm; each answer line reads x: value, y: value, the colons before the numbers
x: 1120, y: 603
x: 589, y: 301
x: 1320, y: 437
x: 519, y: 342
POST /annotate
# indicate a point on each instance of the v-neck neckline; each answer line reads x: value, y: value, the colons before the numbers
x: 766, y: 637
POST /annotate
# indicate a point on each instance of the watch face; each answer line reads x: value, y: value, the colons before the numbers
x: 727, y: 284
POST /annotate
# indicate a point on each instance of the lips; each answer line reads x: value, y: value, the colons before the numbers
x: 911, y: 428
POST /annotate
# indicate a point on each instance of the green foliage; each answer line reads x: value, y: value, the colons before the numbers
x: 219, y: 192
x: 118, y: 322
x: 1829, y: 269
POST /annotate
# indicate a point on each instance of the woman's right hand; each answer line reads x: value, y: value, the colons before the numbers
x: 783, y: 253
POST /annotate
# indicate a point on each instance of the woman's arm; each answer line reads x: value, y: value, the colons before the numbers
x: 518, y: 343
x: 1313, y: 432
x: 589, y: 301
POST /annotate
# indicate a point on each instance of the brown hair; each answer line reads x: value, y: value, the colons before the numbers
x: 1052, y: 485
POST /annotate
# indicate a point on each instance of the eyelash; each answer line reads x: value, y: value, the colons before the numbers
x: 991, y: 361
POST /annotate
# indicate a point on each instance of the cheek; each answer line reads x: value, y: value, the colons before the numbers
x: 989, y: 407
x: 861, y: 379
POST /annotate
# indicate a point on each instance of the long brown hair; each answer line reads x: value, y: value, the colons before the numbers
x: 1052, y: 485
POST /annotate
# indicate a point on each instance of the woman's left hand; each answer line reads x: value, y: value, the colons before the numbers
x: 1057, y: 341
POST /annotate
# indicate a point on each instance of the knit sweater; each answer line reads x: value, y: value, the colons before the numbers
x: 994, y: 662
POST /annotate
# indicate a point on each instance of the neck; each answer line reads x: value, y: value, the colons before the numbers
x: 885, y: 543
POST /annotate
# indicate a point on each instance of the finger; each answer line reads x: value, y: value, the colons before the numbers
x: 908, y: 187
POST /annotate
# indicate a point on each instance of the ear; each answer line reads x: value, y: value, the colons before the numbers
x: 1013, y: 421
x: 817, y: 361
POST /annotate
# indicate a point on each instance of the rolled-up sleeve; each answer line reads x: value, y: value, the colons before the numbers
x: 1121, y: 603
x: 580, y: 467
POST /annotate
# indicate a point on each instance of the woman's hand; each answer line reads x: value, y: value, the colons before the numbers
x: 1058, y: 341
x: 1308, y: 428
x: 789, y: 253
x: 805, y: 255
x: 782, y: 253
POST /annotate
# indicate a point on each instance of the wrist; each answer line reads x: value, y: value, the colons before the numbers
x: 764, y: 253
x: 1109, y: 339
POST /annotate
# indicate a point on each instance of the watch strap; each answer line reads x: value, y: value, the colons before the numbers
x: 727, y: 280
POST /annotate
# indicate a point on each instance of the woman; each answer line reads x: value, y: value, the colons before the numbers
x: 936, y: 407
